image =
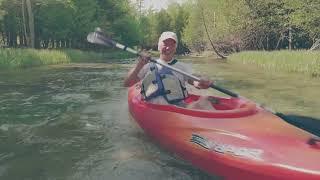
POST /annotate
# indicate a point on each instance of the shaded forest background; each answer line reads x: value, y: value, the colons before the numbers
x: 228, y: 25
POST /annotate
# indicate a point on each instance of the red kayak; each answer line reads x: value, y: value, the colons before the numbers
x: 238, y: 140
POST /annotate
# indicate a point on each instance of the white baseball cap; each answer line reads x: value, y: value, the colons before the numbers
x: 167, y: 35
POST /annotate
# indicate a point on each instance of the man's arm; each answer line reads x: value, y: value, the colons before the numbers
x: 132, y: 76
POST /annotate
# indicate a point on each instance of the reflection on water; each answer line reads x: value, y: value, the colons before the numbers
x: 73, y: 123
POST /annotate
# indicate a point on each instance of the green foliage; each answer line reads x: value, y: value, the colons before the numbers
x: 54, y: 25
x: 153, y: 23
x: 238, y: 24
x: 145, y: 28
x: 163, y: 22
x: 194, y: 32
x: 253, y: 24
x: 179, y: 18
x: 224, y: 20
x: 2, y: 12
x: 60, y: 23
x: 306, y: 16
x: 122, y: 25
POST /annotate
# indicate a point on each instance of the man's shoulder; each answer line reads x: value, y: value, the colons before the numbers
x: 180, y: 63
x: 184, y: 66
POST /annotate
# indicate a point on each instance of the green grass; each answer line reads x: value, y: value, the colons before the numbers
x: 305, y: 62
x: 87, y: 56
x: 23, y: 58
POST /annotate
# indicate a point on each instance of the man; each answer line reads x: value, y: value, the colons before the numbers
x: 161, y: 85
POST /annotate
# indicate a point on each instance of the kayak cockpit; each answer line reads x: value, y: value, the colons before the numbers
x: 224, y: 107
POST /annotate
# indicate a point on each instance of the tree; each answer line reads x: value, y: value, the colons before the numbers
x: 2, y: 12
x: 31, y: 23
x: 305, y: 17
x: 11, y: 23
x: 54, y: 29
x: 219, y: 21
x: 193, y: 33
x: 64, y: 23
x: 179, y: 21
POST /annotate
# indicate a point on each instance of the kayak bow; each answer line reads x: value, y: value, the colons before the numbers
x: 239, y: 140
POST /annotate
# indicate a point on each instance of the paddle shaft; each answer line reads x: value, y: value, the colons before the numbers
x: 99, y: 38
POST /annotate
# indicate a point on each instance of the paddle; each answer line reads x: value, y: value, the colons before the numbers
x: 98, y: 37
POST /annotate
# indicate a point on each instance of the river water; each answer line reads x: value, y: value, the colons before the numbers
x: 71, y: 122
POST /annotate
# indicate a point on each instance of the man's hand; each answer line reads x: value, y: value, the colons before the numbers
x: 202, y: 84
x: 144, y: 58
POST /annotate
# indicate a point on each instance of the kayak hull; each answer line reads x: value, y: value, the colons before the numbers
x: 238, y: 141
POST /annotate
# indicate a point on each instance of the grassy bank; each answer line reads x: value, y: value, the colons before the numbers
x: 305, y: 62
x: 22, y: 58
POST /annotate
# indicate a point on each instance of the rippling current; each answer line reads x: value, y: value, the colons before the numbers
x: 72, y: 122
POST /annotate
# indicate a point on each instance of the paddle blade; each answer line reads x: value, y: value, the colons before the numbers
x: 98, y: 38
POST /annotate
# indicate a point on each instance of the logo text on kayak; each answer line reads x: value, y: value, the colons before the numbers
x: 226, y: 148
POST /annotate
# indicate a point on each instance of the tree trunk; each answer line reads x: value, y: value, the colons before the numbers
x: 3, y: 38
x: 213, y: 46
x: 13, y: 39
x: 26, y: 37
x: 31, y: 23
x: 261, y: 43
x: 46, y: 43
x: 290, y: 38
x: 21, y: 39
x: 315, y: 45
x: 279, y: 40
x: 68, y: 43
x: 6, y: 38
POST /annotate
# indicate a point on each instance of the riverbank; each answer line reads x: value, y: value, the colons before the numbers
x: 301, y: 62
x: 24, y: 58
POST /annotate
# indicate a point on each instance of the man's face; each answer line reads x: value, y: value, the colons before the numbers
x: 168, y: 47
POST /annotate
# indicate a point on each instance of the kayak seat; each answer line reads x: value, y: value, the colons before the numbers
x: 218, y: 103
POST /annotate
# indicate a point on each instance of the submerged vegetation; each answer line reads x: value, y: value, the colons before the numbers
x: 303, y: 62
